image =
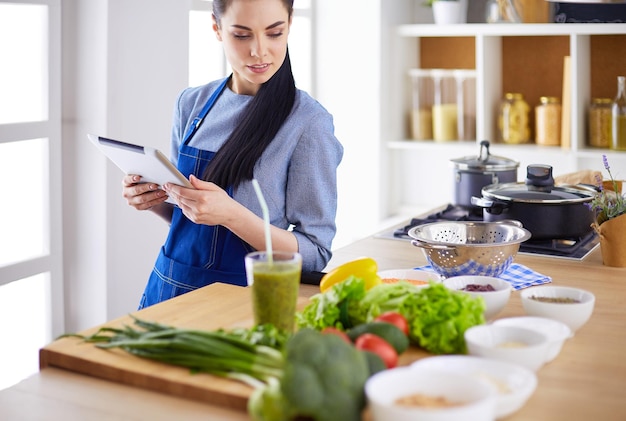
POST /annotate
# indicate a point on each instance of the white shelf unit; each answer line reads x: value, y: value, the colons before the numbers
x: 420, y: 172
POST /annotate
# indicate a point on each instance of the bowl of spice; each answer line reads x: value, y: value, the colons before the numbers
x: 572, y: 306
x: 513, y: 344
x: 494, y: 291
x: 421, y: 393
x: 514, y: 384
x: 556, y: 331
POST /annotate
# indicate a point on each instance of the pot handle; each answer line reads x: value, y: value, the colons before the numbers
x: 483, y: 154
x: 425, y: 245
x: 494, y: 207
x: 539, y: 176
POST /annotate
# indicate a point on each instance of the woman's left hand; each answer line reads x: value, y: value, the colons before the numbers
x: 206, y: 203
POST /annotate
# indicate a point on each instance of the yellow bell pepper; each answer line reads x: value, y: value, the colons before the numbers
x: 365, y: 268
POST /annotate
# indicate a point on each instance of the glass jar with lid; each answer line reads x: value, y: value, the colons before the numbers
x: 513, y: 119
x: 466, y: 103
x: 548, y: 121
x: 422, y: 98
x: 600, y: 122
x: 618, y: 116
x: 445, y: 107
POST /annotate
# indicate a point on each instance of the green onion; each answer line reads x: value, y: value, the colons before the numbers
x: 214, y: 352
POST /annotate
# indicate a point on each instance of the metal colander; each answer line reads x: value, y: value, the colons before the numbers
x: 455, y: 248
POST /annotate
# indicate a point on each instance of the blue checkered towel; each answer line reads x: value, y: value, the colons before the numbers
x: 519, y: 276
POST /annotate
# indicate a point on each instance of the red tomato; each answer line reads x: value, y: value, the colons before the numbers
x: 379, y: 346
x: 395, y: 319
x: 334, y: 331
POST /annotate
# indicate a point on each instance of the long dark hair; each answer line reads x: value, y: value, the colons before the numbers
x: 260, y: 121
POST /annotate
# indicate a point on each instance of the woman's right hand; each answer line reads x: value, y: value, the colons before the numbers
x: 141, y: 196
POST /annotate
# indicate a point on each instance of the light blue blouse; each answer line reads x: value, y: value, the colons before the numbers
x: 297, y: 172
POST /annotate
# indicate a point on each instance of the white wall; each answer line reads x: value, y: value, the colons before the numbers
x: 347, y: 71
x: 124, y: 62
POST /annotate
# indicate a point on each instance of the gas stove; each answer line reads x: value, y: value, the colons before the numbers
x: 565, y: 248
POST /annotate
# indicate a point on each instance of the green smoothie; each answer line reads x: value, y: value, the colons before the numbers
x: 275, y: 292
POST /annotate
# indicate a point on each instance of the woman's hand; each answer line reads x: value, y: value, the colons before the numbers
x: 206, y: 203
x: 141, y: 196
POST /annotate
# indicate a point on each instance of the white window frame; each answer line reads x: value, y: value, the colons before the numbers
x: 50, y: 129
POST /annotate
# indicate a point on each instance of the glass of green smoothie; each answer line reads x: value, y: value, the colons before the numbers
x: 274, y: 283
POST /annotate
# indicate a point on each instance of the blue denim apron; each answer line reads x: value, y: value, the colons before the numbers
x: 195, y: 255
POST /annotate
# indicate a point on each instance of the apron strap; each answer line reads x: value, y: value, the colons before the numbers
x: 195, y: 124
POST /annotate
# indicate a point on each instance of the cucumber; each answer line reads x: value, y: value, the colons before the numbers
x: 374, y: 362
x: 390, y: 333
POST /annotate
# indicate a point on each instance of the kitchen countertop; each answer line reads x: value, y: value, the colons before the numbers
x: 586, y: 381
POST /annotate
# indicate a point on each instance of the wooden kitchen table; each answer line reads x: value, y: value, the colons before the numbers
x: 587, y: 381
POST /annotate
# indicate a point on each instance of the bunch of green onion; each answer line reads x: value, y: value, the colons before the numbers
x: 216, y: 352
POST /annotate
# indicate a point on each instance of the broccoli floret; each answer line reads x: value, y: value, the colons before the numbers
x: 323, y: 380
x: 328, y: 379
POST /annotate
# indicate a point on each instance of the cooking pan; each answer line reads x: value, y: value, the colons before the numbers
x: 472, y: 173
x: 546, y: 210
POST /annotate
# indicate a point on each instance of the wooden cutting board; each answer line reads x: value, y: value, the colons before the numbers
x: 212, y: 307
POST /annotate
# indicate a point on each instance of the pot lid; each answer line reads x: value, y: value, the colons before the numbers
x: 484, y: 161
x: 521, y: 193
x: 539, y: 188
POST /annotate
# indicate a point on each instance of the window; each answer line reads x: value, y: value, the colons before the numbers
x: 30, y: 216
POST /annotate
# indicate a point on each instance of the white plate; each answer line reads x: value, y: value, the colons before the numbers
x: 513, y: 383
x: 410, y: 275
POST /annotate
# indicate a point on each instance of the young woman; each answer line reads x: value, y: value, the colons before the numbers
x: 254, y: 124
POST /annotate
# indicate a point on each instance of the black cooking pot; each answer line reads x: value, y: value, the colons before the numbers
x: 472, y: 173
x: 548, y: 212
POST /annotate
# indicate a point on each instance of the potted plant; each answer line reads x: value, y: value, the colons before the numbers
x: 609, y: 206
x: 448, y: 11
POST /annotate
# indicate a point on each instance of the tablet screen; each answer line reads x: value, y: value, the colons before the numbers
x: 150, y: 163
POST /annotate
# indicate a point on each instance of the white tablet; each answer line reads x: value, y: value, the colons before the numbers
x: 149, y: 163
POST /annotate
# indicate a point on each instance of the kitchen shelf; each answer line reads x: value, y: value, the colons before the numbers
x: 526, y: 58
x: 509, y: 29
x: 502, y: 66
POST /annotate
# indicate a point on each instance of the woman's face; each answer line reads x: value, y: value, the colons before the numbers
x: 254, y: 35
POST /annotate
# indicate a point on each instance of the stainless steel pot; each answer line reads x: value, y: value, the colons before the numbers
x: 546, y: 210
x: 472, y: 173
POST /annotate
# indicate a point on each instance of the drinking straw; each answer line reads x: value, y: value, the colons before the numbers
x: 266, y: 219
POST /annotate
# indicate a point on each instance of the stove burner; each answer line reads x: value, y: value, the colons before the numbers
x: 559, y: 246
x: 576, y: 248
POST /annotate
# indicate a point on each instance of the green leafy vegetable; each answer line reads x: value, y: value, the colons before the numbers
x: 442, y: 317
x: 437, y: 316
x: 384, y: 298
x: 264, y: 334
x: 333, y: 307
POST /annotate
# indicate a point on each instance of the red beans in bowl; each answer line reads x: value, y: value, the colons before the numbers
x: 478, y: 288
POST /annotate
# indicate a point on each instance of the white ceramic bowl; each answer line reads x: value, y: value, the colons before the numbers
x: 556, y: 331
x: 513, y: 383
x: 575, y: 315
x: 419, y: 278
x: 508, y: 343
x: 495, y: 301
x: 385, y: 387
